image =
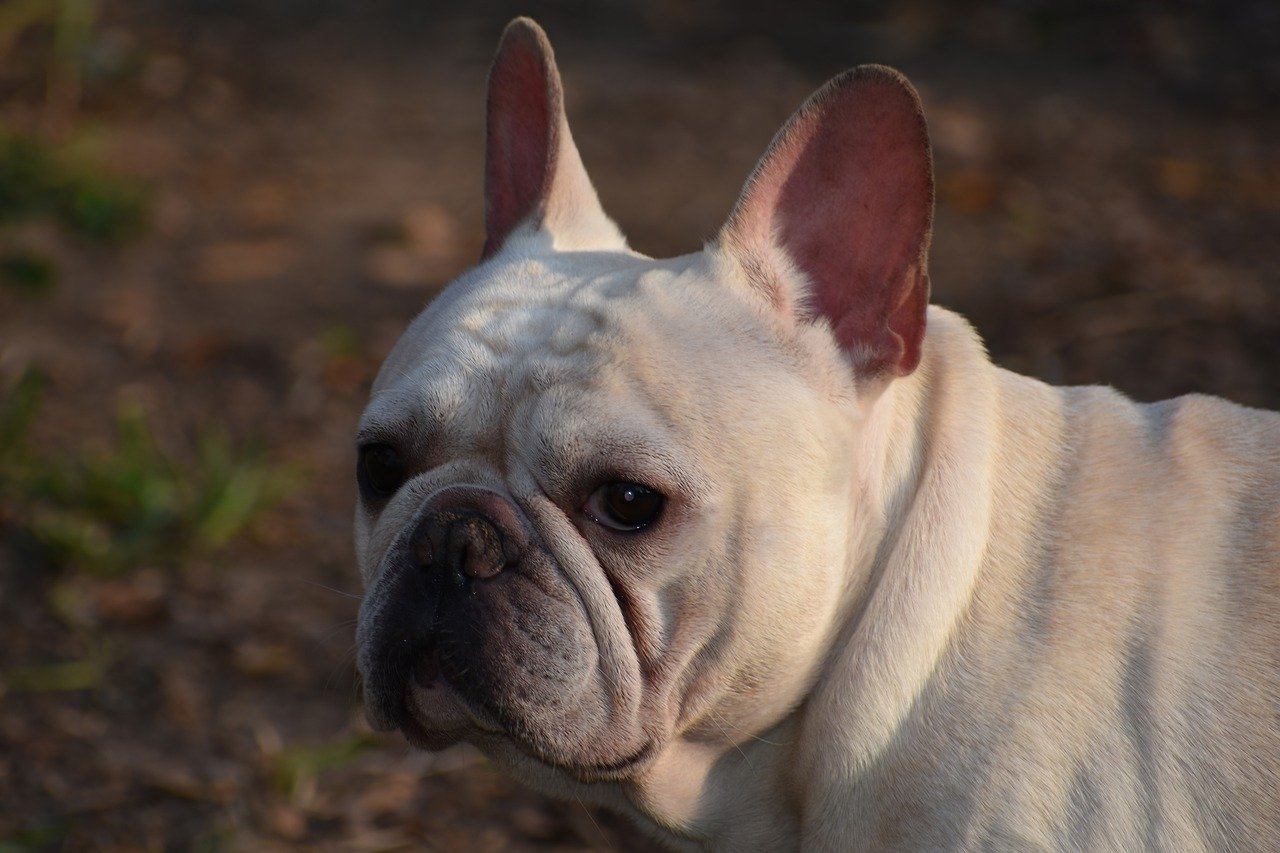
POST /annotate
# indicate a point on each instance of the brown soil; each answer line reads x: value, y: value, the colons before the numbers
x: 1101, y: 219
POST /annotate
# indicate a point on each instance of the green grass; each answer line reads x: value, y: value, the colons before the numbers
x: 300, y: 763
x: 130, y: 504
x: 29, y: 176
x: 26, y: 272
x: 73, y: 675
x: 39, y: 180
x: 103, y: 208
x: 340, y: 341
x: 43, y: 834
x: 53, y: 176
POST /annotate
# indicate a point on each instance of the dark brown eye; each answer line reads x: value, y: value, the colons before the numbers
x: 380, y: 471
x: 624, y: 506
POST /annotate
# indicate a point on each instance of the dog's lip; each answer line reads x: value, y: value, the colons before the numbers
x: 438, y: 717
x: 424, y: 738
x: 499, y: 743
x: 435, y: 701
x: 611, y: 770
x: 435, y: 716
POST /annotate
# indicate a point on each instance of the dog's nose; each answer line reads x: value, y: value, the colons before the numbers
x: 463, y: 543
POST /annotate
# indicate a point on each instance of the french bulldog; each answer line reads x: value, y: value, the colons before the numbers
x: 760, y: 548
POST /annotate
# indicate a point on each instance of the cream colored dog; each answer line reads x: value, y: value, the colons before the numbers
x: 758, y: 548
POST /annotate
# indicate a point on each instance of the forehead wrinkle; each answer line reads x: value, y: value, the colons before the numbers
x: 521, y: 344
x: 528, y: 299
x: 505, y: 287
x: 593, y: 322
x: 516, y: 358
x: 499, y: 340
x: 515, y: 336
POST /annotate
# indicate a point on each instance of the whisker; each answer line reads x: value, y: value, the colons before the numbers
x: 722, y: 722
x: 344, y: 663
x: 592, y: 818
x: 334, y: 589
x: 344, y: 625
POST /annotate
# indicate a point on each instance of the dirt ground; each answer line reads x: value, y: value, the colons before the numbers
x: 1109, y: 200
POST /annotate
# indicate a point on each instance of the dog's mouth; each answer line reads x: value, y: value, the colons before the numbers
x: 509, y: 663
x: 426, y: 692
x: 435, y: 716
x: 414, y: 697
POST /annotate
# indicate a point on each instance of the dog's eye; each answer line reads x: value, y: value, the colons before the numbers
x: 624, y: 506
x: 380, y: 471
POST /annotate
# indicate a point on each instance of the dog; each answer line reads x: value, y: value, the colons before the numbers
x: 756, y: 546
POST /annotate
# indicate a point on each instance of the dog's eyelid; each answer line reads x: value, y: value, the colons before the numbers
x: 659, y: 472
x: 668, y: 474
x: 374, y: 436
x: 399, y: 434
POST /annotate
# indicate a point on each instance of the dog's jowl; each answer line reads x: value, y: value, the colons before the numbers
x: 759, y: 548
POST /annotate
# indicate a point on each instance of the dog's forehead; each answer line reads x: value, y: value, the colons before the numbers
x: 520, y: 326
x: 523, y: 317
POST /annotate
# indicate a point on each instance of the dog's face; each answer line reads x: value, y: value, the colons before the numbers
x: 606, y: 501
x: 573, y: 523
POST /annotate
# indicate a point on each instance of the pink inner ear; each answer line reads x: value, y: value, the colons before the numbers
x: 847, y: 191
x: 522, y: 133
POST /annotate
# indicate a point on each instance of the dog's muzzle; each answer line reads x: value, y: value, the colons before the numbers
x: 462, y: 536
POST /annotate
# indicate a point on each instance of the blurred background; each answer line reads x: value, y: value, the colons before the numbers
x: 216, y: 216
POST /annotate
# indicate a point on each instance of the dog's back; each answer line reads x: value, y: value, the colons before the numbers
x: 1115, y: 683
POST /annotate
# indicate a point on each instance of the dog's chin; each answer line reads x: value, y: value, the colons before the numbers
x: 438, y: 718
x: 524, y: 762
x: 613, y: 769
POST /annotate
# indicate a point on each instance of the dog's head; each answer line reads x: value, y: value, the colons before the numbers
x: 608, y: 501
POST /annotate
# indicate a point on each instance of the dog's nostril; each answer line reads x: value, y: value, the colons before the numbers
x: 462, y: 545
x: 478, y: 550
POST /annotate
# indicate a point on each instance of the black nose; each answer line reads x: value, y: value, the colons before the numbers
x: 462, y: 543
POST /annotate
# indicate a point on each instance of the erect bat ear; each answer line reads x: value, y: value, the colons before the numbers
x: 844, y: 195
x: 533, y: 173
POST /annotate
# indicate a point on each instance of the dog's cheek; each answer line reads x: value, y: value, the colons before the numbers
x: 528, y: 653
x: 366, y: 561
x: 522, y: 648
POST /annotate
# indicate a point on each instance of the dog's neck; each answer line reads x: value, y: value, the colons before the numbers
x: 937, y: 497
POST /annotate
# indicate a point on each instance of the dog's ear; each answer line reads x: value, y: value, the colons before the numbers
x: 844, y: 195
x: 532, y: 168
